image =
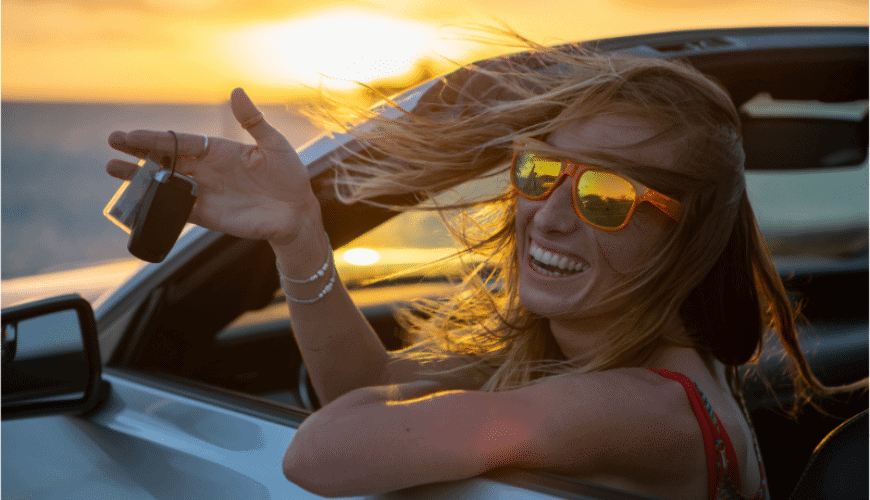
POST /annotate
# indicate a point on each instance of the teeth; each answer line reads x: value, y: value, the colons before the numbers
x: 547, y: 258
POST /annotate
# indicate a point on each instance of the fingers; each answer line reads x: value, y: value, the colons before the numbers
x: 123, y: 170
x: 161, y: 144
x: 142, y: 143
x: 118, y: 141
x: 251, y: 119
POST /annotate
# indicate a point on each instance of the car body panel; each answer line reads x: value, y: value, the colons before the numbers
x: 141, y: 437
x: 149, y: 442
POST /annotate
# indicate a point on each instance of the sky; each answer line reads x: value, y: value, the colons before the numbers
x: 197, y: 51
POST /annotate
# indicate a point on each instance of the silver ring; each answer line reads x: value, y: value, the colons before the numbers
x: 204, y: 146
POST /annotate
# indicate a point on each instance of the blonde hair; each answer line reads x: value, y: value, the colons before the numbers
x: 716, y: 258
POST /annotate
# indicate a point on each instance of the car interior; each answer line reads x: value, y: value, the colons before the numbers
x: 220, y: 319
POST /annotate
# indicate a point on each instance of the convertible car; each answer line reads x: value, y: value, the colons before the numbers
x: 185, y: 381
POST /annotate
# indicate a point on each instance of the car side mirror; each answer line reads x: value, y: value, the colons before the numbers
x: 50, y: 358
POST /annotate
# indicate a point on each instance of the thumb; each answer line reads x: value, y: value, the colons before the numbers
x: 251, y: 119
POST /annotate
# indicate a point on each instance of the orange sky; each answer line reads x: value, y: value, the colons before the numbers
x: 198, y: 50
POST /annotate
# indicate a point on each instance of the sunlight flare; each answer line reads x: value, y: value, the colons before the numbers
x: 334, y: 50
x: 361, y: 256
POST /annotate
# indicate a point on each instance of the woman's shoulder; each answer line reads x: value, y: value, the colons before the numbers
x: 638, y: 425
x: 630, y: 396
x: 633, y: 401
x: 623, y: 385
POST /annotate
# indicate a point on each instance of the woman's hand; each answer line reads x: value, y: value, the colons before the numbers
x: 256, y: 192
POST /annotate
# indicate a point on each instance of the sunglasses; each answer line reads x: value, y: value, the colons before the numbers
x: 603, y: 199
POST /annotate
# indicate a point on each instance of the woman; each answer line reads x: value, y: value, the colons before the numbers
x: 630, y: 282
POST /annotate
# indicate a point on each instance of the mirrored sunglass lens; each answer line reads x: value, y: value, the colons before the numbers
x: 604, y: 199
x: 535, y: 174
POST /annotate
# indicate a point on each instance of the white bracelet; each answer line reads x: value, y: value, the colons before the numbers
x: 320, y: 295
x: 320, y: 272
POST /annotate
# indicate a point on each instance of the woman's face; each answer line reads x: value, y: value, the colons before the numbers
x: 590, y: 259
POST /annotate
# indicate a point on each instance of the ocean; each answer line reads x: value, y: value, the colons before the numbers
x: 54, y: 183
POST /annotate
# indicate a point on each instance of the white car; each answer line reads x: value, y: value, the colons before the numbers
x: 185, y: 381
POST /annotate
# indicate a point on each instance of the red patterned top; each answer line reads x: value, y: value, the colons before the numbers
x: 723, y: 470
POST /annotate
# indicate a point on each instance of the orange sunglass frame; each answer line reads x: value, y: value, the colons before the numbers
x: 574, y: 170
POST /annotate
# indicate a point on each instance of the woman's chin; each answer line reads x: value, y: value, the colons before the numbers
x: 549, y: 305
x: 555, y: 296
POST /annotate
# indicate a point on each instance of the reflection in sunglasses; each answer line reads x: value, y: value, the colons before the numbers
x: 603, y: 199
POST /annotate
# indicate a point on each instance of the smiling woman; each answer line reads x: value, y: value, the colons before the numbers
x: 597, y: 341
x: 336, y: 49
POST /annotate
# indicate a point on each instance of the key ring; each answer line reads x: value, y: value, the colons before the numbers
x: 175, y: 156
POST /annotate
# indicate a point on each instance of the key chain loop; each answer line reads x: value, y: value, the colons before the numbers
x: 175, y: 156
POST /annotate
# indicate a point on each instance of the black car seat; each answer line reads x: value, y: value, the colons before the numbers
x: 838, y: 468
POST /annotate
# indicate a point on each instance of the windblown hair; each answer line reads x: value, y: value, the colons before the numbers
x: 714, y: 272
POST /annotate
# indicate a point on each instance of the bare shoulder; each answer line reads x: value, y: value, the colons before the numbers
x: 627, y: 391
x: 630, y: 424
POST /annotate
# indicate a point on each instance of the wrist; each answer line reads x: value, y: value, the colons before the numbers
x: 301, y: 221
x: 305, y: 265
x: 287, y: 281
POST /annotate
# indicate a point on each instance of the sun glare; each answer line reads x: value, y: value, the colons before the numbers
x: 361, y: 256
x: 334, y: 50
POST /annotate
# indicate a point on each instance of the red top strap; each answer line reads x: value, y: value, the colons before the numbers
x: 723, y: 470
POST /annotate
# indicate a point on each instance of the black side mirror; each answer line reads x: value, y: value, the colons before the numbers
x: 50, y: 358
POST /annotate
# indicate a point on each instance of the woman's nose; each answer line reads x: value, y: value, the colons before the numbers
x: 556, y: 213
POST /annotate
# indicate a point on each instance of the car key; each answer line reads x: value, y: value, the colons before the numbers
x: 163, y: 212
x: 153, y: 207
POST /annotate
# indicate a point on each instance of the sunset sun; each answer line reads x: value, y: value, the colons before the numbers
x: 334, y: 50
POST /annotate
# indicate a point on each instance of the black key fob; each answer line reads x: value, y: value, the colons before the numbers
x: 162, y: 215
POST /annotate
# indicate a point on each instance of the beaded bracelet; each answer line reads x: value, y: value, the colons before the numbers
x: 320, y: 273
x: 320, y: 295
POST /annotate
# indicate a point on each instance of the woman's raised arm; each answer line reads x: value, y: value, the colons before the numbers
x: 263, y: 191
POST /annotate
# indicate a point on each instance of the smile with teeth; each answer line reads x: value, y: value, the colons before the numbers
x: 551, y: 264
